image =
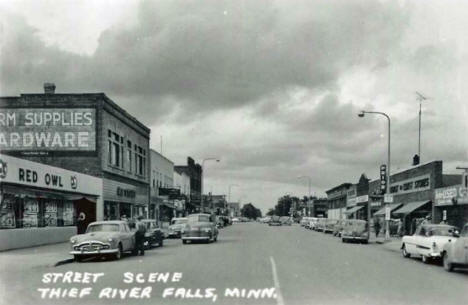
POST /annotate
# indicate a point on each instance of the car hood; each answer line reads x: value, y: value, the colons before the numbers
x: 99, y: 236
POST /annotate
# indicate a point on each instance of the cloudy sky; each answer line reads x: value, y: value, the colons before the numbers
x: 270, y: 87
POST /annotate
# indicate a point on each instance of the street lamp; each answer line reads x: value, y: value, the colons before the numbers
x: 203, y: 164
x: 361, y: 115
x: 229, y: 191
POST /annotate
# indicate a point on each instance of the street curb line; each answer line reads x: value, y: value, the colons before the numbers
x: 63, y: 262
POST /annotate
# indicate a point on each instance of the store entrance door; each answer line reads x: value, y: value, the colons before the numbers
x: 85, y: 213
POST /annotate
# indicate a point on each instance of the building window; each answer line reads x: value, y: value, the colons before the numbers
x: 140, y: 160
x: 116, y: 149
x: 129, y: 156
x: 421, y: 183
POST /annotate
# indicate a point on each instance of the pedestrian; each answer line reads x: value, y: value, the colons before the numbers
x: 399, y: 227
x: 124, y: 217
x: 377, y: 227
x: 140, y: 236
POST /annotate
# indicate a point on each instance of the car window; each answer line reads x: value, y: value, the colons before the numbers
x: 179, y: 221
x: 198, y: 218
x: 422, y: 231
x: 103, y: 228
x: 441, y: 231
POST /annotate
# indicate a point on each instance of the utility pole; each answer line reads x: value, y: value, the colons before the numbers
x: 420, y: 98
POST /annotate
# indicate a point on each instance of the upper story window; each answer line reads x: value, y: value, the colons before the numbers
x: 115, y: 149
x: 140, y: 160
x: 129, y: 156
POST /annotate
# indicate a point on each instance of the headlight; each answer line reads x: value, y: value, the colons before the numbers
x: 73, y: 240
x: 110, y: 240
x: 207, y: 230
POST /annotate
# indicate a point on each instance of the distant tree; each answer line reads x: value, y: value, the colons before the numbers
x: 270, y: 212
x: 250, y: 211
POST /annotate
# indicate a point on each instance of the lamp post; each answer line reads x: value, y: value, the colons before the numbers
x: 202, y: 166
x: 361, y: 115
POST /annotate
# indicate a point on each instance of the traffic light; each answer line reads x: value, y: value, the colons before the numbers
x: 383, y: 178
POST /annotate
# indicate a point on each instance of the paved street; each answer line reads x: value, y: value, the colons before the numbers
x: 305, y: 266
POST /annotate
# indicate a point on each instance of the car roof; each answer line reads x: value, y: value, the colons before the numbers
x: 148, y: 220
x: 110, y: 222
x: 199, y: 214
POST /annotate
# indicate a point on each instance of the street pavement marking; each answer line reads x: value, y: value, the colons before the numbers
x: 279, y: 296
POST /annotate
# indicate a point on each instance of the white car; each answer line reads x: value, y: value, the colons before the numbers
x: 456, y: 252
x: 428, y: 241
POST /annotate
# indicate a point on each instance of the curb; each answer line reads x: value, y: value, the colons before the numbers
x: 63, y: 262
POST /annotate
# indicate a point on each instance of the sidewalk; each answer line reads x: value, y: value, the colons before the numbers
x: 47, y: 255
x: 393, y: 244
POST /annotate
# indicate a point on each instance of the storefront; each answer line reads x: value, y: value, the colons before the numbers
x: 124, y: 200
x: 42, y: 204
x: 451, y: 205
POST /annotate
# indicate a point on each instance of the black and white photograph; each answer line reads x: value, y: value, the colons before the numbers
x: 233, y: 152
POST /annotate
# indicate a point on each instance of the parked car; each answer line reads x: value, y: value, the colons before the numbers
x: 329, y: 225
x: 338, y: 228
x: 275, y: 221
x: 176, y: 226
x: 286, y: 221
x: 154, y: 235
x: 320, y: 225
x: 304, y: 221
x: 235, y: 219
x: 311, y: 225
x: 199, y: 227
x: 455, y: 252
x: 355, y: 230
x: 428, y: 241
x: 103, y: 238
x: 219, y: 222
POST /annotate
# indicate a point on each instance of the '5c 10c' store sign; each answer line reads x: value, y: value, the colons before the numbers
x: 24, y: 172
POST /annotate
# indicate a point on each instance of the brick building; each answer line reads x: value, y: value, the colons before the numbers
x: 337, y: 199
x: 194, y: 171
x: 86, y: 133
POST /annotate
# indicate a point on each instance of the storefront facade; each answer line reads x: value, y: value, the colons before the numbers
x: 337, y: 200
x: 43, y: 204
x: 451, y: 205
x: 87, y: 133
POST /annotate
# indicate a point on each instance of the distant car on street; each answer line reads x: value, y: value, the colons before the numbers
x: 338, y: 228
x: 275, y: 221
x: 176, y: 226
x: 428, y: 241
x: 286, y: 221
x: 103, y: 238
x: 311, y: 225
x: 236, y: 220
x: 154, y: 235
x: 330, y: 225
x: 304, y: 221
x: 199, y: 227
x: 455, y: 252
x: 355, y: 230
x: 320, y: 225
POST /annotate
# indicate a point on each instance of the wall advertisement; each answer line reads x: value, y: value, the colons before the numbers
x: 37, y: 130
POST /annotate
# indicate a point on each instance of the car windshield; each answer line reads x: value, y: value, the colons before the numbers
x: 103, y: 228
x: 357, y: 225
x: 150, y: 224
x: 441, y: 231
x: 198, y: 218
x: 179, y: 221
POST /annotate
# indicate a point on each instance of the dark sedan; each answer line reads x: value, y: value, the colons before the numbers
x: 154, y: 237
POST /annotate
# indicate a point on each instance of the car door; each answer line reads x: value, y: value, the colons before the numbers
x: 460, y: 246
x: 423, y: 241
x: 412, y: 240
x: 127, y: 236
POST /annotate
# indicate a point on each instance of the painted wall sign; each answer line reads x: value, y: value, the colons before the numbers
x: 451, y: 195
x: 48, y: 129
x: 24, y: 172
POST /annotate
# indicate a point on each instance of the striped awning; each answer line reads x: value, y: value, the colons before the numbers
x: 392, y: 207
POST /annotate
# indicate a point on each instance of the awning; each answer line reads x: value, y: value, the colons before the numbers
x: 410, y: 207
x: 353, y: 209
x: 392, y: 207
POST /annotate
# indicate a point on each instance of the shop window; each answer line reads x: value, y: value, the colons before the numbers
x: 394, y: 189
x: 140, y: 160
x: 421, y: 183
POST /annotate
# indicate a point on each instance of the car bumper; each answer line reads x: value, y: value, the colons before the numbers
x: 354, y: 237
x: 96, y: 252
x: 195, y: 237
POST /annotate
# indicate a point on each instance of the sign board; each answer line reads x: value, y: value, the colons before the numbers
x: 362, y: 199
x: 387, y: 213
x: 388, y: 198
x: 450, y: 195
x: 444, y: 215
x: 25, y: 172
x: 36, y: 130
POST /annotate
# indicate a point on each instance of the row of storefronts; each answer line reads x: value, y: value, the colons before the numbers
x: 417, y: 193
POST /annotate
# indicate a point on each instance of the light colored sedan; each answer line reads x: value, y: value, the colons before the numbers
x: 455, y: 252
x: 199, y: 227
x: 103, y: 238
x: 428, y: 241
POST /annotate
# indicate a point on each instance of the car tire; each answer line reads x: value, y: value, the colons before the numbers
x: 161, y: 242
x: 343, y: 240
x: 447, y: 265
x: 184, y: 241
x: 425, y: 259
x: 118, y: 255
x: 78, y: 258
x: 216, y: 238
x: 405, y: 253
